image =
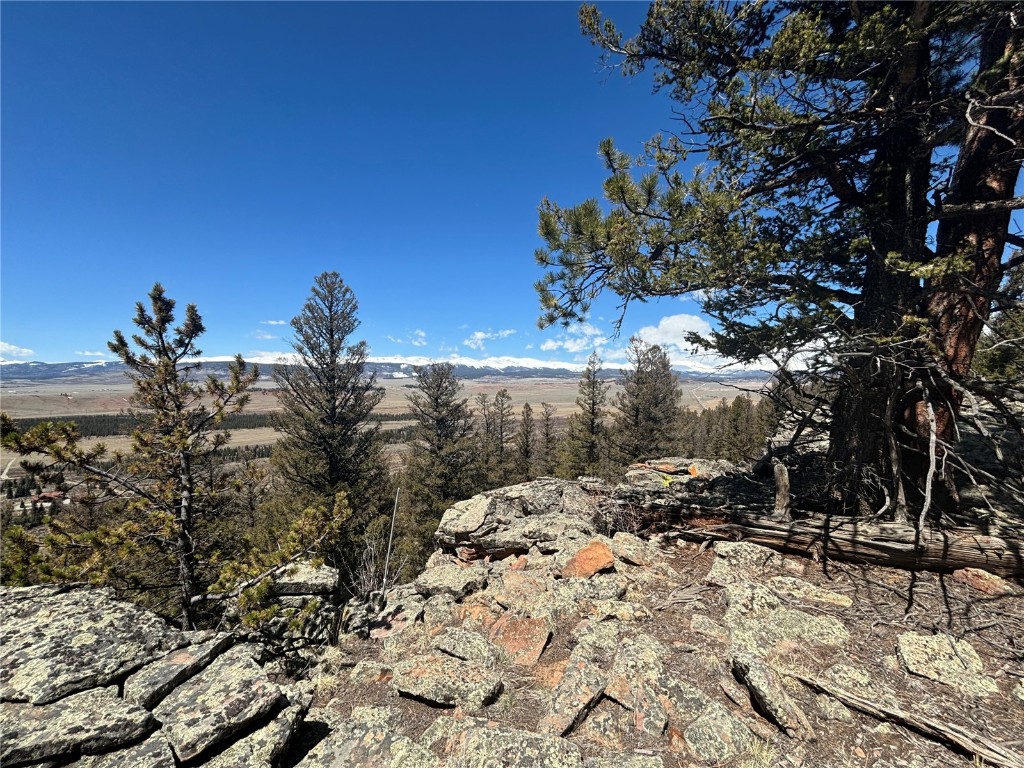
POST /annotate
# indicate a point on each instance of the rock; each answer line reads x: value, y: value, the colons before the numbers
x: 398, y: 613
x: 770, y: 697
x: 370, y: 672
x: 304, y: 578
x: 465, y: 645
x: 447, y: 728
x: 703, y: 625
x: 522, y: 640
x: 58, y: 640
x: 608, y: 729
x: 757, y: 622
x: 1018, y: 691
x: 636, y: 681
x: 588, y: 561
x: 545, y: 513
x: 717, y: 735
x: 740, y: 561
x: 453, y: 580
x: 802, y: 590
x: 946, y: 660
x: 984, y: 582
x: 82, y: 723
x: 264, y: 747
x: 582, y: 682
x: 355, y: 743
x: 447, y: 681
x: 154, y: 752
x: 625, y: 761
x: 437, y: 611
x: 230, y: 695
x: 491, y: 747
x: 149, y: 685
x: 633, y: 550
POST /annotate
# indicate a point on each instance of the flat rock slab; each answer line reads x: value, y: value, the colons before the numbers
x: 489, y: 747
x: 588, y: 561
x: 367, y: 742
x: 575, y: 695
x: 447, y: 681
x: 83, y: 723
x: 262, y: 748
x: 152, y: 683
x: 61, y: 640
x: 523, y: 640
x: 154, y: 752
x: 466, y: 645
x: 717, y: 735
x: 946, y: 660
x: 450, y: 579
x: 304, y: 578
x: 230, y: 695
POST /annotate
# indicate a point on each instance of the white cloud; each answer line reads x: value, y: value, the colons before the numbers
x: 477, y: 339
x: 670, y: 332
x: 582, y: 337
x: 13, y: 351
x: 91, y: 354
x: 263, y: 335
x: 273, y: 322
x: 416, y: 338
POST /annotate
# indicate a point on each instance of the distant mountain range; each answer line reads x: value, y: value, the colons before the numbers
x: 13, y: 373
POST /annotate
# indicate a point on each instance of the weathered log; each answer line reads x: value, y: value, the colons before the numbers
x: 851, y: 540
x: 989, y: 751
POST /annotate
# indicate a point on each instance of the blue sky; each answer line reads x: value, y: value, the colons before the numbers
x: 232, y: 151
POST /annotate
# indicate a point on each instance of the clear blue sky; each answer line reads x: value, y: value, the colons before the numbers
x: 232, y: 151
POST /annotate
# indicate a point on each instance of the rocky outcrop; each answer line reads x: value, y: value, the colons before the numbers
x: 539, y: 635
x: 87, y: 676
x: 534, y: 638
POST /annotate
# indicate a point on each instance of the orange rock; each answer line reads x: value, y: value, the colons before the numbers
x: 550, y: 675
x: 593, y: 558
x: 983, y: 581
x: 519, y: 564
x: 524, y: 640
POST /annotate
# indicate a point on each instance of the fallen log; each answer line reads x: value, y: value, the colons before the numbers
x: 989, y: 751
x: 841, y: 538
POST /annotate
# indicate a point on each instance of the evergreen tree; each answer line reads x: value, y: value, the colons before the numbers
x: 329, y: 444
x: 583, y: 450
x: 440, y: 468
x: 862, y: 163
x: 647, y: 408
x: 152, y: 511
x: 525, y: 445
x: 548, y: 450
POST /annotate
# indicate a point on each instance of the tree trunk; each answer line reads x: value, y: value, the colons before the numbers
x: 184, y: 545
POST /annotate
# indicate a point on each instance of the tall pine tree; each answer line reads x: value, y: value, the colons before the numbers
x: 647, y: 413
x: 584, y: 447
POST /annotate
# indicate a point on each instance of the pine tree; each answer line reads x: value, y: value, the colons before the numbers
x: 151, y: 511
x: 525, y: 445
x: 330, y: 446
x: 583, y: 450
x: 647, y: 407
x: 862, y: 166
x: 440, y: 468
x: 548, y: 450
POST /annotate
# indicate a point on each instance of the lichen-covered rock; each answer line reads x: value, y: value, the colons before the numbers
x: 625, y: 761
x: 545, y: 513
x: 368, y: 671
x: 304, y: 578
x: 368, y: 741
x: 82, y: 723
x: 263, y: 747
x: 583, y: 680
x: 767, y: 692
x: 522, y: 639
x: 633, y: 550
x: 491, y: 747
x: 154, y: 752
x: 740, y: 561
x: 149, y: 685
x: 757, y: 621
x: 58, y: 640
x: 465, y: 645
x: 803, y: 590
x: 946, y: 660
x: 448, y: 681
x: 233, y: 693
x: 450, y: 579
x: 717, y: 735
